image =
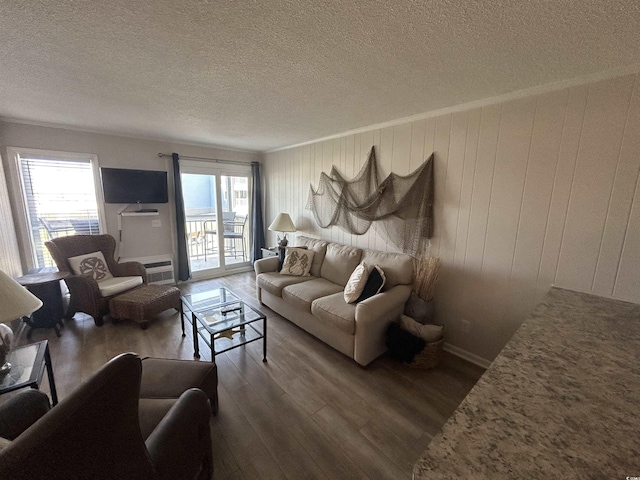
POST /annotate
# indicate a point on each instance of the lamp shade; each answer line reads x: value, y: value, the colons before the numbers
x: 282, y: 223
x: 15, y: 300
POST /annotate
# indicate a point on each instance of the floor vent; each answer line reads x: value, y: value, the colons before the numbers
x: 159, y: 269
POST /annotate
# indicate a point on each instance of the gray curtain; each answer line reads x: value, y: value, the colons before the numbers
x: 183, y: 257
x: 257, y: 225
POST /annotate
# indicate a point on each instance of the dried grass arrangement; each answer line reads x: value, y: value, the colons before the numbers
x: 426, y: 268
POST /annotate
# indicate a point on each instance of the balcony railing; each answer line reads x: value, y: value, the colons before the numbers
x: 202, y: 241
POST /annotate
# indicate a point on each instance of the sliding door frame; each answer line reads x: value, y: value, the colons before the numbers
x: 219, y: 170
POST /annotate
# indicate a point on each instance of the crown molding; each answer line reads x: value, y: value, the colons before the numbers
x: 549, y: 87
x: 60, y: 126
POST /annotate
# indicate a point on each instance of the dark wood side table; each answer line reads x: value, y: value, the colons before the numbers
x: 27, y: 368
x: 45, y: 286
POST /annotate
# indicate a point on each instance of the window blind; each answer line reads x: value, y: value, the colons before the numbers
x: 60, y: 199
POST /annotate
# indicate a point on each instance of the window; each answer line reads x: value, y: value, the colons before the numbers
x: 59, y: 198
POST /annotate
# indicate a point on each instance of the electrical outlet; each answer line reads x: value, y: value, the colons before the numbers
x: 466, y: 325
x: 156, y: 223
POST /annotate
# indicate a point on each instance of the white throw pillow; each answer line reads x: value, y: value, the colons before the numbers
x: 356, y: 283
x: 297, y: 261
x: 429, y: 333
x: 91, y: 265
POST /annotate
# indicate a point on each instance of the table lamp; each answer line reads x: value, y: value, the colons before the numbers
x: 282, y: 224
x: 15, y: 302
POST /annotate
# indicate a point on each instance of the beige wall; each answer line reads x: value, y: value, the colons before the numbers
x: 530, y: 192
x: 139, y: 237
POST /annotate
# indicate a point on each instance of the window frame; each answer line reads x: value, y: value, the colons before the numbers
x: 18, y: 193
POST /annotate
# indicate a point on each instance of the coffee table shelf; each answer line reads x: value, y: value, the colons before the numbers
x: 223, y: 321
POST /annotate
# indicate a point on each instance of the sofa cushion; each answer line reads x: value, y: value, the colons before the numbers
x: 274, y: 282
x: 301, y: 295
x: 297, y: 262
x: 151, y: 413
x: 397, y: 267
x: 339, y: 262
x: 333, y: 310
x: 115, y: 285
x: 319, y: 248
x: 4, y: 443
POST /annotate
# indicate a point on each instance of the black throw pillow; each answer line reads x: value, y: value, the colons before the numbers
x: 374, y: 284
x: 403, y: 345
x: 281, y: 254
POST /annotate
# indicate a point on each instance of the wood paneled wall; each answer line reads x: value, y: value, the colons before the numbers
x: 530, y: 192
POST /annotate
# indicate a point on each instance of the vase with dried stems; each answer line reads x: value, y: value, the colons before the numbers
x: 420, y: 304
x: 426, y: 268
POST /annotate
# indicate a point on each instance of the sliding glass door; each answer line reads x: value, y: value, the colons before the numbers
x: 216, y: 201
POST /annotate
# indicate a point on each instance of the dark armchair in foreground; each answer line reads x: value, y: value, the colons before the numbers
x: 95, y: 432
x: 87, y: 294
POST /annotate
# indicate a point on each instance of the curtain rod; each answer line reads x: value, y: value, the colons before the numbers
x: 215, y: 160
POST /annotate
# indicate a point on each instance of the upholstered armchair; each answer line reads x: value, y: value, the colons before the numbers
x: 88, y: 294
x: 95, y: 432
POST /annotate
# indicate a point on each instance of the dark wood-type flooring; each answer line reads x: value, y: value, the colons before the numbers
x: 309, y: 412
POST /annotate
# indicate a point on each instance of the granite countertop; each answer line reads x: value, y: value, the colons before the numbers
x: 562, y: 400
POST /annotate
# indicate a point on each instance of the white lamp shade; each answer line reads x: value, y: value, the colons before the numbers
x: 282, y: 223
x: 15, y: 300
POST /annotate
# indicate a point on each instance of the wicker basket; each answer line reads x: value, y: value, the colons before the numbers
x: 429, y: 356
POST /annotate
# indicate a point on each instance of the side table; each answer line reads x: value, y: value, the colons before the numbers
x: 269, y: 252
x: 45, y: 286
x: 274, y: 252
x: 27, y: 368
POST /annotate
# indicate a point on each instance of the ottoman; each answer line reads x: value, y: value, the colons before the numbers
x: 143, y: 303
x: 164, y: 380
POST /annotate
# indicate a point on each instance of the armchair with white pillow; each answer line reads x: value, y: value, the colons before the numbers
x: 95, y: 277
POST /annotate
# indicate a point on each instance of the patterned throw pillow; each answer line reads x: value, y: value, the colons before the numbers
x: 356, y: 283
x: 91, y: 265
x: 297, y: 261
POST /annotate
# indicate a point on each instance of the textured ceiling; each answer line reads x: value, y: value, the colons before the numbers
x: 262, y: 74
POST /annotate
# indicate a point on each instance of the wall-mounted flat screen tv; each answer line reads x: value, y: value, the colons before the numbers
x: 134, y: 186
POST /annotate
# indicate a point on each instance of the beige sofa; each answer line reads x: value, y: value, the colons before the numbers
x: 316, y: 304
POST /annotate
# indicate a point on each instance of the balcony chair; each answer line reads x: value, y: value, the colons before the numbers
x: 90, y: 294
x: 211, y: 229
x: 89, y: 226
x: 234, y: 231
x: 95, y: 432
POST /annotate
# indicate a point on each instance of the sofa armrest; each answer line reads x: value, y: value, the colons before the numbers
x: 180, y: 446
x: 22, y: 411
x: 373, y: 317
x: 269, y: 264
x: 131, y: 269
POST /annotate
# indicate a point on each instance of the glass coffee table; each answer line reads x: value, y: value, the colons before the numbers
x: 223, y: 321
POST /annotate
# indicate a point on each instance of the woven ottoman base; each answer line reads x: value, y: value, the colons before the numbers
x: 142, y: 304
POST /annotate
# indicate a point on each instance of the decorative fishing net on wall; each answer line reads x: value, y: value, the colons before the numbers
x: 401, y: 206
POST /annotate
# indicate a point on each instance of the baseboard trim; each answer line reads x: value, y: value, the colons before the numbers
x: 203, y: 275
x: 468, y: 356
